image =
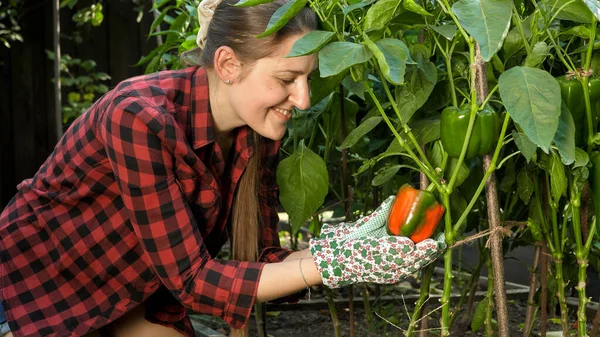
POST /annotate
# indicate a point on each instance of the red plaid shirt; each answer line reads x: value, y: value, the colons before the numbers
x: 131, y: 207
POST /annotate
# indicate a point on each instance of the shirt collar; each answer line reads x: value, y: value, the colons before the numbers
x: 203, y: 131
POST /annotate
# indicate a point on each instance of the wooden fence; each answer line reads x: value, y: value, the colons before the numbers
x: 27, y: 114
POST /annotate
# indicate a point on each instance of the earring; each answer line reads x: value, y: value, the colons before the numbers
x: 227, y: 81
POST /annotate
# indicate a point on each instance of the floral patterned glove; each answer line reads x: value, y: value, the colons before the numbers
x: 386, y: 259
x: 373, y: 224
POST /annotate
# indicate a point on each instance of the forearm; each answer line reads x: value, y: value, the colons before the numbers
x: 297, y: 255
x: 284, y: 278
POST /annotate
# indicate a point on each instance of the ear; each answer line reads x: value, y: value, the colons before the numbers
x: 226, y: 65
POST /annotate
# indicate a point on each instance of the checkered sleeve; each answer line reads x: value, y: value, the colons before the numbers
x: 143, y: 146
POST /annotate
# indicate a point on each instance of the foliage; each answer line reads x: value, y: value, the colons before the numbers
x: 82, y: 84
x: 9, y: 23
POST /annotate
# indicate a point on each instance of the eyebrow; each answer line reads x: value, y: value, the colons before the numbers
x: 296, y: 72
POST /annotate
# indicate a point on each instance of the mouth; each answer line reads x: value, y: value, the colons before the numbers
x: 283, y: 112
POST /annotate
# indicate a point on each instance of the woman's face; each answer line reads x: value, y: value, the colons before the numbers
x: 267, y: 93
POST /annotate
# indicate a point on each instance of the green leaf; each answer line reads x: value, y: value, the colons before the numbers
x: 282, y: 15
x: 386, y: 174
x: 354, y: 87
x: 338, y: 56
x: 357, y: 5
x: 538, y: 55
x: 248, y: 3
x: 514, y: 41
x: 380, y: 14
x: 356, y: 134
x: 509, y: 178
x: 412, y: 6
x: 391, y: 56
x: 310, y: 43
x: 575, y: 10
x: 558, y: 179
x: 564, y: 139
x: 487, y: 21
x: 526, y: 146
x: 446, y: 31
x: 532, y: 98
x: 303, y: 184
x: 321, y: 87
x: 581, y: 158
x: 479, y: 315
x: 594, y: 7
x: 420, y: 81
x: 580, y: 31
x: 524, y: 186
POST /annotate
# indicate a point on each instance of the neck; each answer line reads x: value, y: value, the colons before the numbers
x: 224, y: 118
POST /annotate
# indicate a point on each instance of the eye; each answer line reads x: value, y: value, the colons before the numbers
x: 287, y: 80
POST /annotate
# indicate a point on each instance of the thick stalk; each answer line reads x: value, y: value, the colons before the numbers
x: 448, y: 276
x: 533, y: 284
x: 493, y: 209
x: 445, y: 300
x: 346, y: 195
x: 367, y: 307
x: 423, y: 296
x: 259, y: 315
x: 333, y: 313
x: 560, y: 293
x: 544, y: 289
x: 489, y: 327
x: 581, y: 254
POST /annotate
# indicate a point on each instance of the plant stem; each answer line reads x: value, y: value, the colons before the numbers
x: 445, y: 300
x: 346, y: 195
x: 423, y: 296
x: 533, y: 284
x: 333, y: 313
x: 493, y: 209
x: 489, y: 328
x: 472, y: 288
x: 259, y: 315
x: 544, y: 288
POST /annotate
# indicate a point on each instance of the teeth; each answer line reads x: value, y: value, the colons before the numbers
x: 283, y: 111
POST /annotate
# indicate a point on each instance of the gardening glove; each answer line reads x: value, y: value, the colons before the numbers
x: 387, y: 259
x: 373, y: 224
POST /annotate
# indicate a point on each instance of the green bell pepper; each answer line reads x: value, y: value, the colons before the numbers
x: 571, y: 92
x: 454, y: 125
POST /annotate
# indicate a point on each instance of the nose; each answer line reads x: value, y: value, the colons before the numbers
x: 300, y: 96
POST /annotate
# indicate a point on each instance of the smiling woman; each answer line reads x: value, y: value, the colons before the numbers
x: 117, y: 232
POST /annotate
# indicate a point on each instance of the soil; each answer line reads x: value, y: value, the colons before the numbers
x: 389, y: 319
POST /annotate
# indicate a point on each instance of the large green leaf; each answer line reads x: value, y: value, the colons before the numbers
x: 356, y: 134
x: 575, y: 10
x: 310, y: 43
x: 564, y: 139
x: 594, y: 6
x: 526, y: 146
x: 282, y: 15
x: 380, y: 14
x: 532, y: 98
x: 338, y: 56
x: 303, y: 184
x: 420, y: 81
x: 487, y: 21
x: 391, y: 56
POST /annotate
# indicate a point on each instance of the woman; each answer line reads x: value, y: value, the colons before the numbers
x: 116, y: 233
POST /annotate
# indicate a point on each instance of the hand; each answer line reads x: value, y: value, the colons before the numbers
x: 373, y: 224
x: 385, y: 260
